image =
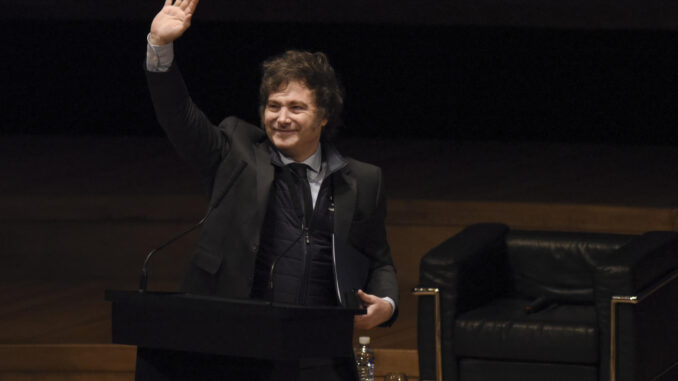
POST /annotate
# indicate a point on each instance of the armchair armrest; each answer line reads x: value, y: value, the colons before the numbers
x: 638, y: 340
x: 657, y: 287
x: 638, y: 264
x: 468, y: 270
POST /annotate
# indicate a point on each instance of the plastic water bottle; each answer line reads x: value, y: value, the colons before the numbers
x: 364, y: 358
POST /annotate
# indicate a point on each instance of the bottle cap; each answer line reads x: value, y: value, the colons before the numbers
x: 364, y: 340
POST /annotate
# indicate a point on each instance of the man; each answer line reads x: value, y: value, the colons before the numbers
x: 288, y: 211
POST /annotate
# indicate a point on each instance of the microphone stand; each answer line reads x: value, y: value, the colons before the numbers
x: 143, y: 280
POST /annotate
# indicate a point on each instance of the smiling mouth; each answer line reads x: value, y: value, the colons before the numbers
x: 283, y: 131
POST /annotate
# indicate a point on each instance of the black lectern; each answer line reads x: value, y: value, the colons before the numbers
x: 191, y: 337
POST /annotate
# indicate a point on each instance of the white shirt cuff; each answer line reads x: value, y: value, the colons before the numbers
x: 393, y: 306
x: 158, y: 57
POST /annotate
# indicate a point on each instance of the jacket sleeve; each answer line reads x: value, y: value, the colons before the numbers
x: 191, y: 133
x: 368, y: 232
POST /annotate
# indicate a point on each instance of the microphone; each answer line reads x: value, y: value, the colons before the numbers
x: 143, y: 279
x: 287, y: 178
x: 277, y: 258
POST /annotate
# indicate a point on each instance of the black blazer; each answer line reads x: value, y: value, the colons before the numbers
x: 235, y: 159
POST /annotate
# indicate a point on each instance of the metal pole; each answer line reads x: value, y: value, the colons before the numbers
x: 423, y: 291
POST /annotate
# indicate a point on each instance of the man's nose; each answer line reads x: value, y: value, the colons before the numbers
x: 284, y: 116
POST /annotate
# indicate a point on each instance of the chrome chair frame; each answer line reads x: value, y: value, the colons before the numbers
x: 634, y: 299
x: 423, y: 291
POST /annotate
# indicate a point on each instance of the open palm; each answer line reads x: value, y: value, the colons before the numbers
x: 172, y: 21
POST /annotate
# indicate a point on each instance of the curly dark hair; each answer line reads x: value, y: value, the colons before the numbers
x: 315, y: 71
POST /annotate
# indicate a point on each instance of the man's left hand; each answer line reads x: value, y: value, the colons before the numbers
x: 378, y: 311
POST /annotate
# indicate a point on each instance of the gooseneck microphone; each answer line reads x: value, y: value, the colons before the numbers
x: 299, y: 209
x: 271, y: 272
x: 143, y: 279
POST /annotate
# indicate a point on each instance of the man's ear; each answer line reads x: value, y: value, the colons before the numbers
x: 323, y: 122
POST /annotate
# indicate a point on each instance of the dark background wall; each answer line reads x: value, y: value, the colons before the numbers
x: 593, y: 71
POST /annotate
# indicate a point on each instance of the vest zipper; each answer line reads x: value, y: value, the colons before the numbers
x: 307, y: 267
x: 308, y: 261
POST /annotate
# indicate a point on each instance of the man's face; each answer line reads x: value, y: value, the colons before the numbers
x: 293, y: 122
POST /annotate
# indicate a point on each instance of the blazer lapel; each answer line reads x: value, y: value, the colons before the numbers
x: 264, y: 176
x: 345, y: 191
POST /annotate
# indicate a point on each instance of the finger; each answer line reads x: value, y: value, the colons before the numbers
x: 177, y: 3
x: 183, y: 4
x: 365, y: 297
x: 192, y: 5
x: 168, y: 3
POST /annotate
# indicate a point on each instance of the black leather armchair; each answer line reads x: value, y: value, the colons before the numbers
x: 549, y: 306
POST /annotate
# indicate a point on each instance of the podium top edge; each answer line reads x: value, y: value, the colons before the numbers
x: 136, y: 297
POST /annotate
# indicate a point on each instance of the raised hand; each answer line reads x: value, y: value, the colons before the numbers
x: 172, y: 21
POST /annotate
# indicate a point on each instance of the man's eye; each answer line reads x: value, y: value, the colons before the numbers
x: 272, y: 107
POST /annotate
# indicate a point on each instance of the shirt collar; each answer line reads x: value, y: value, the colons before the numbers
x: 314, y: 161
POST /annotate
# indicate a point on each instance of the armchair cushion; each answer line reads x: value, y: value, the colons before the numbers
x: 502, y: 330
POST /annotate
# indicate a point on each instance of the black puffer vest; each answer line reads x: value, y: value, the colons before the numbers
x: 299, y: 261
